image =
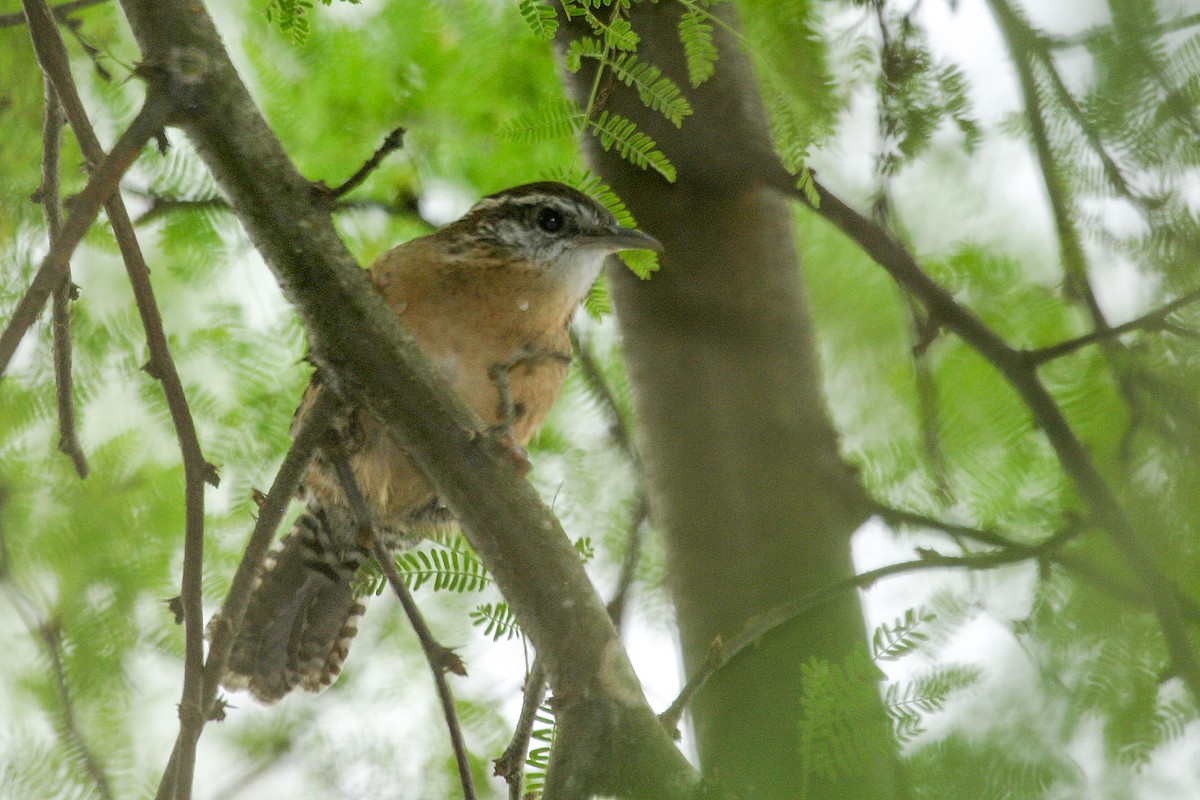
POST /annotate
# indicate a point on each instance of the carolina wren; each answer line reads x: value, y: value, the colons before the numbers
x: 489, y: 299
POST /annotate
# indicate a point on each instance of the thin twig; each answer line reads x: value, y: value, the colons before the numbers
x: 83, y: 209
x: 1153, y: 320
x: 392, y: 142
x: 722, y: 651
x: 52, y: 639
x: 633, y: 554
x: 223, y: 628
x: 60, y: 12
x: 161, y: 206
x: 589, y: 367
x: 49, y: 196
x: 161, y: 102
x: 1071, y: 253
x: 511, y: 763
x: 1077, y: 464
x: 441, y: 658
x: 1099, y: 32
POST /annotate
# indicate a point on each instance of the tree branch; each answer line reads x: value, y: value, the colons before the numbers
x: 49, y: 196
x: 60, y: 12
x: 515, y: 535
x: 392, y: 142
x: 169, y: 90
x: 1153, y: 320
x: 511, y: 763
x: 1077, y: 464
x: 722, y: 651
x: 441, y: 658
x: 223, y: 628
x: 52, y: 640
x: 83, y: 208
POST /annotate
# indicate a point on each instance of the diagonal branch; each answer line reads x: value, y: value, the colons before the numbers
x: 60, y: 11
x: 722, y: 651
x: 83, y: 210
x: 1074, y: 261
x: 1077, y: 464
x: 392, y: 142
x: 49, y: 196
x: 224, y: 626
x: 1153, y: 320
x: 170, y: 90
x: 52, y: 641
x: 441, y: 658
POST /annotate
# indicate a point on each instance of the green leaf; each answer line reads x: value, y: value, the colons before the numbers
x: 452, y: 568
x: 541, y: 18
x: 643, y: 263
x: 658, y: 92
x: 616, y: 132
x: 557, y: 119
x: 698, y: 47
x: 894, y: 641
x: 594, y: 187
x: 598, y: 303
x: 497, y: 621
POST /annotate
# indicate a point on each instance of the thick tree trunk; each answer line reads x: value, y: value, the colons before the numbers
x: 744, y: 474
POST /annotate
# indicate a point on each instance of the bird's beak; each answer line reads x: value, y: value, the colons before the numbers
x: 624, y: 239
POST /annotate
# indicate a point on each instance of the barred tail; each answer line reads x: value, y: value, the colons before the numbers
x: 303, y: 612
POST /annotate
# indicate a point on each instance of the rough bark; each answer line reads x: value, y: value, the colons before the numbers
x: 742, y: 463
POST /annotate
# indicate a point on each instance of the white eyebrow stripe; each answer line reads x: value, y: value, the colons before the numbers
x: 519, y: 200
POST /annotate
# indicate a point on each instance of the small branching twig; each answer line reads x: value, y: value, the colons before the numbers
x: 1077, y: 464
x: 60, y: 12
x: 49, y: 196
x: 589, y: 367
x: 271, y: 508
x: 722, y: 651
x: 83, y: 209
x: 392, y: 142
x: 1152, y: 321
x: 633, y: 553
x: 441, y: 658
x: 162, y: 100
x: 52, y: 640
x: 511, y: 763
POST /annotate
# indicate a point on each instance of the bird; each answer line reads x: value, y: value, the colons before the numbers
x: 489, y: 299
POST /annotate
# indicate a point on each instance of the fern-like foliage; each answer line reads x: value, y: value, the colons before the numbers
x: 657, y: 91
x: 792, y: 134
x: 598, y: 302
x: 292, y: 16
x: 558, y: 119
x: 699, y: 50
x: 497, y: 620
x: 616, y: 32
x: 538, y: 759
x: 594, y: 187
x: 894, y: 641
x: 843, y: 727
x: 907, y: 703
x: 541, y: 18
x: 452, y: 567
x: 618, y: 133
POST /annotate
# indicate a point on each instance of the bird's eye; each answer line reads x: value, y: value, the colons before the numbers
x: 550, y: 220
